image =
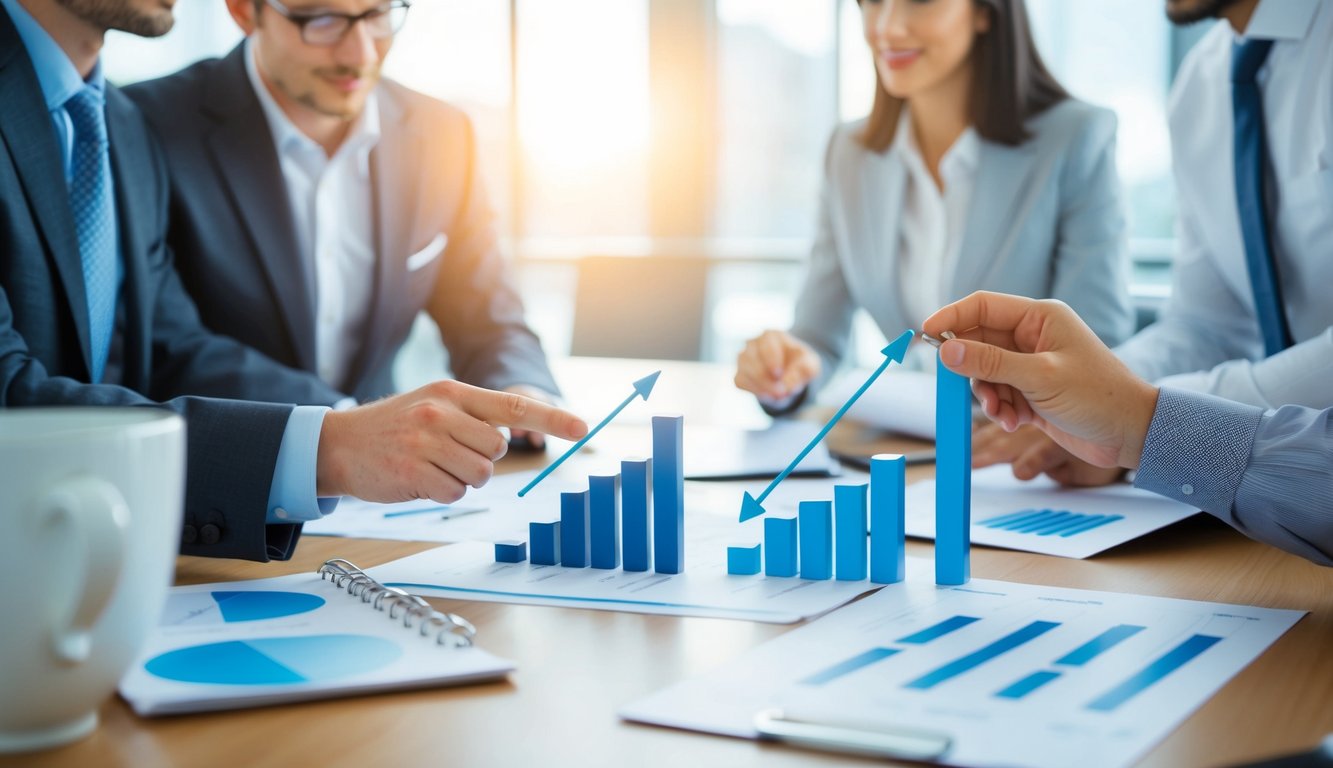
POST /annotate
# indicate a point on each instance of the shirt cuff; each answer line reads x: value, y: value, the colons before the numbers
x: 1197, y: 448
x: 291, y: 498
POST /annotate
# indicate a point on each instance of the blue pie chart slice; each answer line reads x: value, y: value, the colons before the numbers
x: 276, y: 660
x: 257, y: 606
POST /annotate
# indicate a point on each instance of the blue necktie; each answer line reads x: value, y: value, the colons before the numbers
x: 90, y: 198
x: 1251, y: 158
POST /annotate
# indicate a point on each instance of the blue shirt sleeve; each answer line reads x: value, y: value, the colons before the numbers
x: 291, y: 498
x: 1269, y: 475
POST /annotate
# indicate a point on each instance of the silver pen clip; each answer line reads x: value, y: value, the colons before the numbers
x: 934, y: 342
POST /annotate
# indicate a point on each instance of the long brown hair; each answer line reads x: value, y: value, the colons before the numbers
x: 1010, y: 82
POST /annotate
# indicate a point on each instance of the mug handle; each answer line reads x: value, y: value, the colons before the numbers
x: 97, y: 514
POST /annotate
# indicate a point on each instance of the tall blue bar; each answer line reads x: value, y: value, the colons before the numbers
x: 545, y: 540
x: 953, y: 476
x: 888, y: 518
x: 977, y: 658
x: 1153, y: 673
x: 668, y: 494
x: 849, y: 531
x: 780, y: 548
x: 574, y: 534
x: 636, y: 487
x: 604, y: 521
x: 816, y: 539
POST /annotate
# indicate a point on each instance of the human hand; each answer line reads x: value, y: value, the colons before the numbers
x: 429, y: 443
x: 1029, y: 452
x: 522, y: 439
x: 1035, y: 362
x: 776, y: 365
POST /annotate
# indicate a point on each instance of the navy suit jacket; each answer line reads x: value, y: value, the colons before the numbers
x: 234, y: 237
x: 168, y: 356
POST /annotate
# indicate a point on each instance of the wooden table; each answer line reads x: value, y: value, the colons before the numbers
x: 576, y: 667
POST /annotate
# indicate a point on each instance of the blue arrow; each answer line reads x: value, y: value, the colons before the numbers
x: 642, y: 388
x: 893, y: 353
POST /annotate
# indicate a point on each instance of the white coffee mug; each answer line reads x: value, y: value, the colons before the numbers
x: 90, y: 517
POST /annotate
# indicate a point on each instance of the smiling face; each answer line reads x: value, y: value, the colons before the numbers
x: 921, y: 45
x: 325, y: 80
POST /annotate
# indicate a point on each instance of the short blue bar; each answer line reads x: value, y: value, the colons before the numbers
x: 1027, y: 685
x: 1174, y: 659
x: 668, y: 494
x: 977, y: 658
x: 511, y: 551
x: 1088, y: 526
x: 953, y: 477
x: 545, y: 538
x: 888, y: 520
x: 1064, y: 527
x: 849, y: 531
x: 1099, y: 645
x: 574, y: 539
x: 780, y: 546
x: 604, y: 521
x: 816, y: 547
x: 993, y: 522
x: 744, y: 561
x: 1055, y: 522
x: 636, y: 531
x: 849, y: 666
x: 938, y: 630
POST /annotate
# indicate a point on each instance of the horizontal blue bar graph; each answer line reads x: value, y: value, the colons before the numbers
x: 744, y: 561
x: 1153, y: 673
x: 953, y: 477
x: 1049, y: 522
x: 1099, y: 645
x: 815, y: 524
x: 668, y: 494
x: 545, y: 540
x: 511, y: 551
x: 1027, y: 685
x: 888, y: 510
x: 938, y: 630
x: 849, y: 531
x: 574, y: 534
x: 977, y: 658
x: 849, y: 666
x: 604, y: 521
x: 780, y: 547
x: 636, y: 488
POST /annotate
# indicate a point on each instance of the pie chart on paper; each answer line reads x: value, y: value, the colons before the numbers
x: 276, y: 660
x: 203, y: 608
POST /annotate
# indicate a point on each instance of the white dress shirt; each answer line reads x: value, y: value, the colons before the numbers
x: 332, y: 206
x: 1209, y: 336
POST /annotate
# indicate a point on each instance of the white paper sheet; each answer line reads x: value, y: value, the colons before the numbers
x: 292, y: 638
x: 1125, y: 512
x: 901, y: 400
x: 1106, y: 705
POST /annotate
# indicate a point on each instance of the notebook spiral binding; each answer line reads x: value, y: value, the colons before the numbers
x: 453, y: 630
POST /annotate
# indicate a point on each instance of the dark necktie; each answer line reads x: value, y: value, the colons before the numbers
x: 1251, y: 158
x: 90, y: 199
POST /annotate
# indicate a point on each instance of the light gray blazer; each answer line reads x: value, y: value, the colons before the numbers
x: 1046, y: 221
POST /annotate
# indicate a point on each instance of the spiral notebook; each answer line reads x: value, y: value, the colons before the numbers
x: 336, y: 632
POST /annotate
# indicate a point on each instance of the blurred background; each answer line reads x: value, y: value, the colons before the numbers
x: 666, y: 155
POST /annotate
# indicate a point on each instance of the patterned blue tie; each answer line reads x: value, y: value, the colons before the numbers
x: 91, y: 200
x: 1251, y: 159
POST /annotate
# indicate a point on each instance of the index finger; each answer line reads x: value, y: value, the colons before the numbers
x: 984, y: 309
x: 507, y: 409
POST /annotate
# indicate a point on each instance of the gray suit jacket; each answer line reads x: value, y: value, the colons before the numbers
x: 236, y: 249
x: 1046, y: 221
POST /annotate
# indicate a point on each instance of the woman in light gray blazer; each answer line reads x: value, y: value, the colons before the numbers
x: 975, y: 170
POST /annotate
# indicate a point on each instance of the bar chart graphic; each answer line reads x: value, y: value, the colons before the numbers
x: 632, y: 520
x: 1048, y: 522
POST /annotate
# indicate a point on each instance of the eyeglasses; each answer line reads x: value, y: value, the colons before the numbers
x: 330, y: 28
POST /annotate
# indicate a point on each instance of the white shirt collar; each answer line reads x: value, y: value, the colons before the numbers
x: 961, y: 158
x: 1281, y: 19
x: 361, y: 139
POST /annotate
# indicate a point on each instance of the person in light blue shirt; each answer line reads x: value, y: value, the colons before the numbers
x: 93, y: 314
x: 1268, y: 473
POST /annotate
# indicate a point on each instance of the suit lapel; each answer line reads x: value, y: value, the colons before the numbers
x: 31, y: 138
x: 132, y: 171
x: 247, y: 162
x: 1002, y: 174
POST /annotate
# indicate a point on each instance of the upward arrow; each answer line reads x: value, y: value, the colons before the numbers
x: 642, y: 388
x: 893, y: 353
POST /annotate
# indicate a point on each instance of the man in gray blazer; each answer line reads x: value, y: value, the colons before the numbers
x: 317, y: 207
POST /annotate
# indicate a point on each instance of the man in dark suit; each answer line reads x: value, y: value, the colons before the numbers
x: 92, y: 313
x: 318, y: 208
